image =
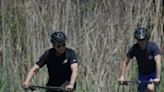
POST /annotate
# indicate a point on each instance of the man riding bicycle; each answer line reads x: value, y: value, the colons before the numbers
x: 61, y: 63
x: 148, y: 58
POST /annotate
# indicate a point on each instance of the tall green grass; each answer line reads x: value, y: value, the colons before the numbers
x: 101, y: 32
x: 2, y: 86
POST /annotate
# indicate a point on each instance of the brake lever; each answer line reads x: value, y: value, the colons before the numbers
x: 32, y: 88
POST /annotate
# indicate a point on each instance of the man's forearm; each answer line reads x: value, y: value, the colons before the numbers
x: 74, y: 74
x: 73, y: 77
x: 158, y: 66
x: 29, y: 76
x: 31, y: 73
x: 123, y: 69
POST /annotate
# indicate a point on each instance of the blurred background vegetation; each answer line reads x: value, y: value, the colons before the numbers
x: 101, y: 32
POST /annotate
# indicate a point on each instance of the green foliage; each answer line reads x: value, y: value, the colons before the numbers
x: 99, y: 30
x: 2, y: 86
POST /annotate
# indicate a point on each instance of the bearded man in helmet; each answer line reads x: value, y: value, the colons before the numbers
x: 148, y: 56
x: 61, y: 62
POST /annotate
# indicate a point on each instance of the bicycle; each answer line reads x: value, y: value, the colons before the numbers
x: 127, y: 82
x: 52, y: 88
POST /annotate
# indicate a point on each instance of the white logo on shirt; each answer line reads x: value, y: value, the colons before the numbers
x: 150, y: 57
x: 65, y: 61
x: 74, y: 60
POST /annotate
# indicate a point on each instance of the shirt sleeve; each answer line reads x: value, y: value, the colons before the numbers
x: 43, y: 59
x: 73, y: 57
x: 130, y: 53
x: 156, y: 50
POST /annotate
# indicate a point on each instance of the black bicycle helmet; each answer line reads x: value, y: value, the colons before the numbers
x: 58, y: 37
x: 141, y: 34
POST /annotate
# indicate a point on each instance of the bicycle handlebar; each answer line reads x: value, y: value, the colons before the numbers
x: 126, y: 82
x: 33, y: 87
x: 61, y: 88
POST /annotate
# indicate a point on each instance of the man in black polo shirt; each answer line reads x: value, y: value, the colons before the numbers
x: 148, y: 59
x: 61, y: 63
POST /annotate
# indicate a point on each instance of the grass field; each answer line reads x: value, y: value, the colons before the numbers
x: 101, y: 32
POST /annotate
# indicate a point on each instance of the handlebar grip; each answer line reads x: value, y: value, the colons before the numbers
x: 32, y: 88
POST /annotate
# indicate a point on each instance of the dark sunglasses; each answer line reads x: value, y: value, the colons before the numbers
x: 141, y: 40
x: 60, y: 45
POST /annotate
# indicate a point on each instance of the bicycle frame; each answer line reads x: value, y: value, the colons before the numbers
x: 33, y: 87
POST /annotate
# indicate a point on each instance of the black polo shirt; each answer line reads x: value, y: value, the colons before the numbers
x: 59, y: 67
x: 145, y: 58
